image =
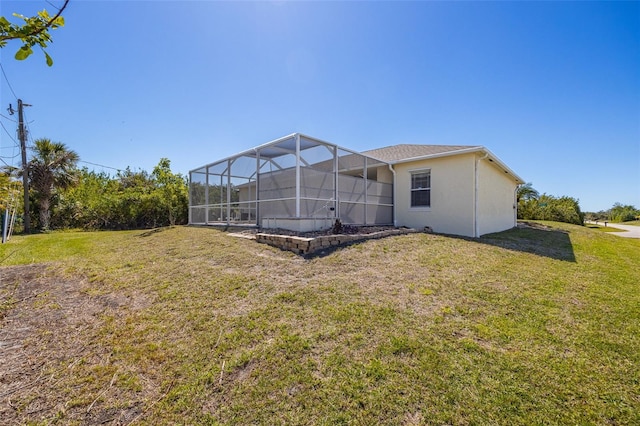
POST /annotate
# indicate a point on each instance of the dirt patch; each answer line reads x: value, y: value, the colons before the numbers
x: 46, y: 324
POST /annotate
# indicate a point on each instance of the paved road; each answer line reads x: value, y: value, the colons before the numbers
x: 631, y: 230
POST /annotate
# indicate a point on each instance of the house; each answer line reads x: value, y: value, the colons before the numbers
x: 302, y: 183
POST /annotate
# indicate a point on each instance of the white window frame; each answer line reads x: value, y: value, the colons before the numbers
x: 412, y: 189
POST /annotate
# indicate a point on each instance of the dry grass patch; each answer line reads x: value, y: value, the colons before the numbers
x: 189, y: 325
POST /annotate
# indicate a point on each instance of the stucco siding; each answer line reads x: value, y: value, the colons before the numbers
x: 452, y: 195
x: 496, y: 199
x: 247, y: 192
x: 384, y: 174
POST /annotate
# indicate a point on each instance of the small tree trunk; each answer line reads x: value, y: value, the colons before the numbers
x: 45, y: 213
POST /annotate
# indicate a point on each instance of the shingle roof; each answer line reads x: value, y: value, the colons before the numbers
x: 406, y: 151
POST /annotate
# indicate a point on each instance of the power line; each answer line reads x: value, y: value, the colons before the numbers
x: 28, y: 129
x: 99, y: 165
x: 8, y: 118
x: 10, y: 156
x: 7, y: 132
x: 7, y: 80
x: 5, y: 163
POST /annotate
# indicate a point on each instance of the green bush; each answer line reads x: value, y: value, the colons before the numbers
x: 547, y: 207
x: 130, y: 200
x: 622, y: 213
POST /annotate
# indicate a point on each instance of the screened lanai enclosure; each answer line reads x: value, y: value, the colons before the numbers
x: 296, y: 182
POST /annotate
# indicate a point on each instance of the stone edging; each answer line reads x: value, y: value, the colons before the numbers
x: 304, y: 246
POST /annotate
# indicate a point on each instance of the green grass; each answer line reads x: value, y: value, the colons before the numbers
x: 529, y: 326
x: 55, y: 246
x: 604, y: 228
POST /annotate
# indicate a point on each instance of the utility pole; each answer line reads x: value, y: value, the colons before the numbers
x: 22, y: 136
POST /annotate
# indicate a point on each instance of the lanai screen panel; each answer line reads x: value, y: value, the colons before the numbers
x: 365, y: 189
x: 351, y: 187
x: 293, y: 177
x: 277, y: 180
x: 242, y: 189
x: 217, y: 191
x: 297, y: 179
x: 197, y: 195
x: 379, y: 193
x: 317, y: 181
x: 224, y: 192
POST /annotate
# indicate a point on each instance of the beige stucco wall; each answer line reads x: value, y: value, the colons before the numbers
x: 384, y: 174
x: 452, y: 195
x: 496, y: 199
x: 247, y: 192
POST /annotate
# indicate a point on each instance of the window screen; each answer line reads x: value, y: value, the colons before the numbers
x: 421, y: 189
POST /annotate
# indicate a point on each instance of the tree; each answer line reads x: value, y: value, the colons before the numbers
x: 526, y: 192
x: 174, y: 190
x: 52, y: 167
x: 622, y: 213
x: 130, y: 200
x: 34, y: 31
x: 560, y: 209
x: 527, y: 199
x: 547, y: 207
x: 5, y: 190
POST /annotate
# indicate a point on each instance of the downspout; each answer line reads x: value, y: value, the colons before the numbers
x: 476, y: 228
x: 395, y: 222
x: 515, y: 206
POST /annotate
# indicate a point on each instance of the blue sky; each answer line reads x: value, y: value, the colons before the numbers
x: 551, y: 88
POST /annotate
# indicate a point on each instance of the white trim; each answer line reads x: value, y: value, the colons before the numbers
x: 439, y: 154
x: 497, y: 162
x: 394, y: 196
x: 297, y: 136
x: 251, y: 151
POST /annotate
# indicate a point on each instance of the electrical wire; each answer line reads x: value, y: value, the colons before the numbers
x: 27, y: 129
x: 99, y: 165
x: 8, y: 134
x: 8, y: 118
x: 12, y: 190
x: 32, y: 143
x: 7, y: 80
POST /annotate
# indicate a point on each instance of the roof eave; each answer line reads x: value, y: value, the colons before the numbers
x: 503, y: 166
x: 470, y: 150
x: 438, y: 155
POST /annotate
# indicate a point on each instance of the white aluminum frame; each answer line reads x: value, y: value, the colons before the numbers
x: 294, y: 144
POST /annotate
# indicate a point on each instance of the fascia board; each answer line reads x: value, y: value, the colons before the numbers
x: 471, y: 150
x: 503, y: 166
x: 440, y: 154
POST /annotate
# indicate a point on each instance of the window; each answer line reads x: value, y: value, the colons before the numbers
x: 421, y: 188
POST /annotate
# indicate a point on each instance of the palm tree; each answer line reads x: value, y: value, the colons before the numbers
x: 526, y: 192
x: 52, y: 167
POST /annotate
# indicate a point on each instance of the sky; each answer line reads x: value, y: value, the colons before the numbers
x: 551, y: 88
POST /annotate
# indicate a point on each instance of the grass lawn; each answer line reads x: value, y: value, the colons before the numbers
x: 192, y: 326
